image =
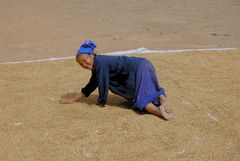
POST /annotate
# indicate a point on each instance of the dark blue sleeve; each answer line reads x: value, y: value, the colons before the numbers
x: 103, y: 83
x: 91, y: 86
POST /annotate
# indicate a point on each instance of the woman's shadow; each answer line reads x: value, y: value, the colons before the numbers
x: 113, y: 100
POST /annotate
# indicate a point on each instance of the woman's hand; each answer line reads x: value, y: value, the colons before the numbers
x: 77, y: 98
x: 66, y: 101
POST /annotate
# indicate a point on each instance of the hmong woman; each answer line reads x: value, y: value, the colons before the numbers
x: 133, y: 78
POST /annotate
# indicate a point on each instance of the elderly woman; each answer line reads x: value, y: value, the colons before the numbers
x: 133, y: 78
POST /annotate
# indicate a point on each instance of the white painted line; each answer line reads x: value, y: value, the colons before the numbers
x: 18, y: 124
x: 186, y: 103
x: 145, y: 50
x: 134, y: 51
x: 38, y: 60
x: 181, y: 152
x: 214, y: 118
x: 88, y: 155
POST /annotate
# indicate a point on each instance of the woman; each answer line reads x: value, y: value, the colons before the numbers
x: 133, y: 78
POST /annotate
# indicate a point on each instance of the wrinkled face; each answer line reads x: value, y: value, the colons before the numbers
x: 86, y: 61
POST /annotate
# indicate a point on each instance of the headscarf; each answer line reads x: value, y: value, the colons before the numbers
x: 87, y: 47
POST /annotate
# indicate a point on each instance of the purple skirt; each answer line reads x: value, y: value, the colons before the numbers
x: 147, y: 86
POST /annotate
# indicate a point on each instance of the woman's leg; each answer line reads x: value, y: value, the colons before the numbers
x: 158, y: 111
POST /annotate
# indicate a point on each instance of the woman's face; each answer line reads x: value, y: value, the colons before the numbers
x: 86, y: 61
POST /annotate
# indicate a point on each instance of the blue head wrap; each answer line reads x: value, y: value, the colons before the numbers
x: 87, y: 47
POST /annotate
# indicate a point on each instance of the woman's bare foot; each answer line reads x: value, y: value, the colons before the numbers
x: 165, y: 115
x: 164, y: 103
x: 167, y: 108
x: 158, y: 111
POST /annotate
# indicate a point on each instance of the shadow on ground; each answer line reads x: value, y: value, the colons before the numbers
x: 113, y: 100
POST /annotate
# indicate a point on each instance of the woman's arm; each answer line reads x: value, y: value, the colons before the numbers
x: 77, y: 98
x: 103, y: 84
x: 85, y: 92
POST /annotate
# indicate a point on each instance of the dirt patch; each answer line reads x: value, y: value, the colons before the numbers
x: 202, y: 87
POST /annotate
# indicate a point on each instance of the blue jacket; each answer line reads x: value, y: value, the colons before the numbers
x: 117, y: 73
